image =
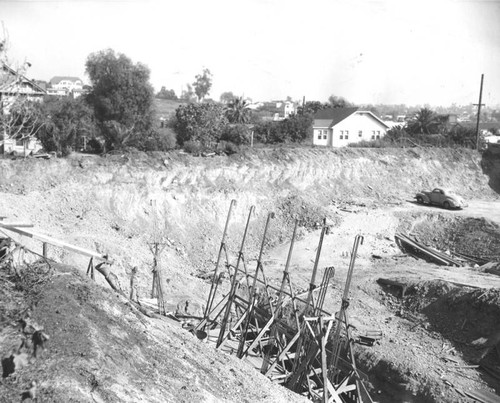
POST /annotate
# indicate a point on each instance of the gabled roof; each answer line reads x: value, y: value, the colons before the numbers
x: 8, y: 85
x: 331, y: 117
x: 334, y: 115
x: 58, y: 79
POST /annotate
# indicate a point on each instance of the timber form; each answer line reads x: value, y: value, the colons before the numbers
x: 289, y: 338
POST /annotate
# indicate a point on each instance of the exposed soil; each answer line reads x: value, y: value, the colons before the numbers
x: 99, y: 350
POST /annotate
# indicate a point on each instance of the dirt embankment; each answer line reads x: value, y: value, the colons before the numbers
x: 99, y: 202
x: 120, y: 204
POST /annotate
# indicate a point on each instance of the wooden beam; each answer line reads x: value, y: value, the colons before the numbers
x: 482, y: 396
x: 16, y: 224
x: 56, y: 242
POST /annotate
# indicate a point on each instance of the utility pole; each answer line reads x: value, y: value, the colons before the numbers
x: 479, y: 111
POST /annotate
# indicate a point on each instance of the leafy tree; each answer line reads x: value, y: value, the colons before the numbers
x: 121, y: 96
x: 23, y: 119
x: 339, y: 102
x: 268, y: 133
x: 67, y: 122
x: 203, y: 123
x: 296, y: 128
x: 237, y: 111
x: 203, y: 84
x: 424, y: 121
x: 312, y: 107
x: 227, y: 97
x: 19, y: 115
x: 187, y: 95
x: 166, y: 94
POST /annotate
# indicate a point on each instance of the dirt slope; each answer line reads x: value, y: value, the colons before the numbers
x: 119, y: 204
x: 99, y: 351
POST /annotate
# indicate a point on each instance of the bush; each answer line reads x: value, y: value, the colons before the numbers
x: 95, y: 146
x: 67, y: 122
x: 193, y: 147
x: 156, y: 140
x: 228, y: 147
x: 237, y: 134
x: 295, y: 129
x: 202, y: 123
x: 371, y: 144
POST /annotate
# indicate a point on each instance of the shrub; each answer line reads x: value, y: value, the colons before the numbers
x: 237, y: 134
x: 156, y: 140
x: 193, y: 147
x: 228, y: 147
x: 370, y: 144
x: 202, y: 123
x: 95, y: 146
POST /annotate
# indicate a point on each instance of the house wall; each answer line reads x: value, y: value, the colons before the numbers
x: 322, y: 136
x: 69, y: 85
x: 22, y: 147
x: 355, y: 128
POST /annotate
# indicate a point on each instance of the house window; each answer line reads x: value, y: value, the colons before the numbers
x: 373, y: 134
x: 319, y: 134
x: 325, y: 132
x: 360, y: 133
x: 341, y: 135
x: 347, y: 135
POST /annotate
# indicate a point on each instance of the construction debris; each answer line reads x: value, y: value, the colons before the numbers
x: 421, y: 251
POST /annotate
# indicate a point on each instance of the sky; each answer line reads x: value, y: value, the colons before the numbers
x: 369, y: 52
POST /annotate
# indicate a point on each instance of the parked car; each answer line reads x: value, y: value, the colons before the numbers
x: 440, y: 197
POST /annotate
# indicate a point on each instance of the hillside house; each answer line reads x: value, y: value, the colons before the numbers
x: 14, y: 85
x: 65, y: 85
x: 284, y: 110
x: 339, y: 127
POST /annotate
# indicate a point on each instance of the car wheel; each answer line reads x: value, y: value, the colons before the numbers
x: 420, y: 200
x: 446, y: 205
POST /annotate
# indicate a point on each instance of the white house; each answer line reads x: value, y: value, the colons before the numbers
x: 20, y: 147
x: 339, y: 127
x: 65, y: 85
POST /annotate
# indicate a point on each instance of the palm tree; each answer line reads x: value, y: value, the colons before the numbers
x: 237, y: 111
x: 425, y: 121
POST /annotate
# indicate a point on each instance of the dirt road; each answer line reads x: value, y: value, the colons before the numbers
x: 489, y: 209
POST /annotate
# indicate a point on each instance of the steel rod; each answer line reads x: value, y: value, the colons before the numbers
x: 215, y: 279
x: 234, y: 282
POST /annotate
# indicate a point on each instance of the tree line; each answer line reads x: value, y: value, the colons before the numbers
x: 118, y: 113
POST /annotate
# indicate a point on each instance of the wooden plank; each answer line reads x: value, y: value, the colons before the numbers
x: 285, y: 292
x: 283, y: 353
x: 418, y: 247
x: 16, y: 224
x: 435, y: 254
x: 483, y: 396
x: 56, y: 242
